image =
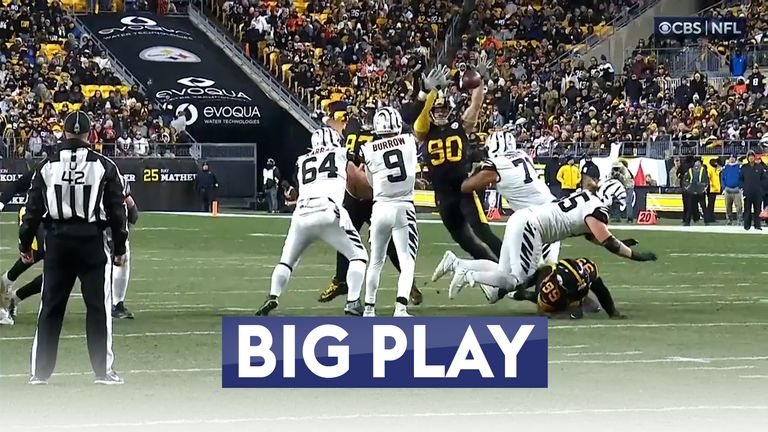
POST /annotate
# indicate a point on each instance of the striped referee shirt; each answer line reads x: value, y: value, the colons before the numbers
x: 78, y: 194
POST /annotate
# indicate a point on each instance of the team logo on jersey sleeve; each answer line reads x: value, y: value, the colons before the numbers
x: 455, y: 125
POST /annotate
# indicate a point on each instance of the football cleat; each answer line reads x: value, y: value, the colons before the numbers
x: 6, y: 290
x: 120, y: 312
x: 110, y: 378
x: 369, y: 312
x: 416, y: 297
x: 37, y: 381
x: 446, y: 265
x: 5, y: 318
x: 458, y: 283
x: 269, y: 305
x: 401, y: 311
x: 354, y: 308
x: 334, y: 289
x: 491, y: 293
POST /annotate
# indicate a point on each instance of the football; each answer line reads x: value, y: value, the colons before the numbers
x: 471, y: 79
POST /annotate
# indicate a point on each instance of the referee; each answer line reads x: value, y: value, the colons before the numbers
x: 77, y: 195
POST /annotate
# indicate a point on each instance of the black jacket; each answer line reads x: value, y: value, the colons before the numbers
x: 752, y: 178
x: 591, y: 170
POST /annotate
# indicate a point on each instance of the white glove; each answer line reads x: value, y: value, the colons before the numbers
x: 436, y: 79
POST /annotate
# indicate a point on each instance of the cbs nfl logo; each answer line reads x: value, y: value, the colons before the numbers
x: 283, y: 352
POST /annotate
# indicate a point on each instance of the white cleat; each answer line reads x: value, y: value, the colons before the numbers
x: 491, y: 293
x: 459, y: 282
x: 446, y: 265
x: 401, y: 311
x: 370, y: 312
x: 6, y: 290
x: 5, y: 318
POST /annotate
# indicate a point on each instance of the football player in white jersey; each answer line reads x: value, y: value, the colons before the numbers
x: 515, y: 177
x: 527, y: 230
x: 390, y: 164
x: 319, y: 215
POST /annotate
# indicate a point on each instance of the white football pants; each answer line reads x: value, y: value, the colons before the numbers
x: 395, y: 220
x: 321, y: 219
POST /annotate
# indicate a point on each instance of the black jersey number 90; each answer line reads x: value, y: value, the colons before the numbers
x: 309, y: 172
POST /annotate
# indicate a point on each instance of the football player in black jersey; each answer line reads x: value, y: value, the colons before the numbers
x: 449, y: 160
x: 560, y: 290
x: 357, y: 131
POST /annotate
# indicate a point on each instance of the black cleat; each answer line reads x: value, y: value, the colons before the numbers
x: 334, y: 289
x: 269, y: 305
x: 120, y: 312
x: 416, y: 297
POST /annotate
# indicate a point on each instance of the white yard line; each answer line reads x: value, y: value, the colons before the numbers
x: 392, y: 415
x: 608, y: 354
x: 714, y: 368
x: 674, y: 359
x: 716, y: 229
x: 754, y: 376
x: 128, y: 372
x: 565, y: 327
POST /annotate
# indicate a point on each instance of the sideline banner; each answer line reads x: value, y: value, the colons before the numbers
x: 180, y: 65
x: 157, y: 184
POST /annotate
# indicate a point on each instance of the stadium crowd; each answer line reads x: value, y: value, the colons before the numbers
x: 48, y: 68
x: 352, y: 51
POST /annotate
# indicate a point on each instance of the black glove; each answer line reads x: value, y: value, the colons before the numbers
x: 630, y: 242
x: 643, y: 256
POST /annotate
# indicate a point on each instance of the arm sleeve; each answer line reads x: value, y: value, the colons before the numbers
x: 114, y: 204
x: 603, y: 296
x: 421, y: 125
x: 35, y: 209
x: 21, y: 184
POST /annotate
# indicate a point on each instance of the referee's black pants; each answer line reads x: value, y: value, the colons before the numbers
x: 67, y: 259
x: 464, y: 218
x: 360, y: 214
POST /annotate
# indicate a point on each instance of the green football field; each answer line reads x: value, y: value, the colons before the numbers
x: 693, y: 354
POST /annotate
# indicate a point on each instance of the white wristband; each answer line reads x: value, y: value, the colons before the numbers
x: 423, y: 95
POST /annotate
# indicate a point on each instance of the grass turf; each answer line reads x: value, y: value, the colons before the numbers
x: 693, y: 349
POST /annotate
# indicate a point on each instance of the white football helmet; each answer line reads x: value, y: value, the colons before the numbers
x: 387, y: 121
x: 501, y: 143
x: 325, y: 137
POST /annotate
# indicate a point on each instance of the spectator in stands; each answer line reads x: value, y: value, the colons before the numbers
x: 569, y: 177
x: 738, y: 63
x: 730, y: 179
x: 756, y: 81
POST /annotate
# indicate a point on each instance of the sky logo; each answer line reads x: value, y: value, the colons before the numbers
x: 384, y: 352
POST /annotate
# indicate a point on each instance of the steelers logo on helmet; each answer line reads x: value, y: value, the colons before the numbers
x: 441, y: 110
